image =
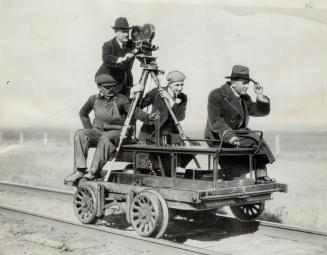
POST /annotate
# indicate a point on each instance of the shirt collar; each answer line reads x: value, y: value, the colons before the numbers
x: 235, y: 93
x: 119, y: 43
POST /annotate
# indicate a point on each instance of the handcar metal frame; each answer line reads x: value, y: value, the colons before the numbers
x: 148, y: 200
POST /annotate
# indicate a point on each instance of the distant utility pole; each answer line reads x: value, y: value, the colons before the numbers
x: 277, y: 144
x: 45, y: 138
x: 21, y: 137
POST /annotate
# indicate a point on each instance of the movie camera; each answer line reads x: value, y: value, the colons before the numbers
x: 141, y: 37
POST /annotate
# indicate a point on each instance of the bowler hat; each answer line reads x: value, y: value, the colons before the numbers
x: 175, y: 76
x: 240, y: 72
x: 121, y: 23
x: 105, y: 80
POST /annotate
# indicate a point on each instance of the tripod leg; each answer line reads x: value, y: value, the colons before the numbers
x: 177, y: 124
x: 137, y: 96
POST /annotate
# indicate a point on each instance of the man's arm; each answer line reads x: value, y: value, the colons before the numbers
x: 149, y: 98
x: 262, y: 105
x: 109, y: 58
x: 179, y: 108
x: 138, y: 113
x: 85, y: 111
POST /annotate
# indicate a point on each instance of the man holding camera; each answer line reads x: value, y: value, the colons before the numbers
x: 118, y: 57
x: 229, y: 108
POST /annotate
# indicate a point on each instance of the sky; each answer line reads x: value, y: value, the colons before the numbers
x: 51, y: 49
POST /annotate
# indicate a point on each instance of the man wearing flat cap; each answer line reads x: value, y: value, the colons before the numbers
x: 118, y: 58
x: 229, y: 108
x: 110, y: 110
x: 177, y: 101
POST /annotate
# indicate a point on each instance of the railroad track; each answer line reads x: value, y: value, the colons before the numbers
x: 129, y: 239
x: 275, y: 230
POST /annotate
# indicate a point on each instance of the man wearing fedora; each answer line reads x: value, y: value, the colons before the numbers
x: 229, y: 108
x: 118, y: 57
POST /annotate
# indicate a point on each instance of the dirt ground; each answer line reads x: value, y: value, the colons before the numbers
x: 21, y: 236
x: 47, y: 165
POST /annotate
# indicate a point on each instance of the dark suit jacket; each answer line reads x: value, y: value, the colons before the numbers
x: 225, y: 112
x: 111, y: 51
x: 166, y: 122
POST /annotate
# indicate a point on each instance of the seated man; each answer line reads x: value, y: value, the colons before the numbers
x: 229, y: 108
x: 177, y: 101
x: 110, y: 111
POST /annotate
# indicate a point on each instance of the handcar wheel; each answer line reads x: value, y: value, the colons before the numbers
x: 163, y: 224
x: 85, y: 204
x: 248, y: 212
x: 145, y: 214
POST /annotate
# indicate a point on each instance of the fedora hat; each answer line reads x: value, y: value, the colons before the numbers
x: 240, y: 72
x: 121, y: 23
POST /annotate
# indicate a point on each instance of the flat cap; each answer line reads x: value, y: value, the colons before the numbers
x: 175, y: 76
x: 105, y: 80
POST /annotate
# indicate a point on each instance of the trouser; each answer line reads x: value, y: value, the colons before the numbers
x: 237, y: 165
x: 105, y: 142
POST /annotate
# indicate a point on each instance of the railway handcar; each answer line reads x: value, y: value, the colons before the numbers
x: 153, y: 188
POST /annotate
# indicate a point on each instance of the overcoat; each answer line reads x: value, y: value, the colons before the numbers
x: 122, y: 72
x: 225, y: 112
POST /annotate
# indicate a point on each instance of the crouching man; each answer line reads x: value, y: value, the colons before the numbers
x: 110, y: 110
x: 229, y: 108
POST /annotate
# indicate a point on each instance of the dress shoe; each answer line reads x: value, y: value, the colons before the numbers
x: 75, y: 176
x: 264, y: 180
x: 89, y: 176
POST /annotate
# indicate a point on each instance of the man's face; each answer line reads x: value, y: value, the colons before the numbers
x: 176, y: 87
x: 122, y: 35
x: 240, y: 86
x: 107, y: 91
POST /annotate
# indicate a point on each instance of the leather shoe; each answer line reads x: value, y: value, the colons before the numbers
x: 75, y: 176
x: 264, y: 180
x: 89, y: 176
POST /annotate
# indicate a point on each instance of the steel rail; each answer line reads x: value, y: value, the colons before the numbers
x: 276, y: 230
x: 155, y: 244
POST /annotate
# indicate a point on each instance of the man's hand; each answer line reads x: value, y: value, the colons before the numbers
x: 165, y: 95
x: 258, y: 89
x: 127, y: 57
x: 234, y: 141
x: 139, y: 87
x: 154, y: 116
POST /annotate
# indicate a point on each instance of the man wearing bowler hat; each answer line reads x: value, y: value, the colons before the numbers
x: 229, y: 108
x: 118, y: 58
x: 110, y: 110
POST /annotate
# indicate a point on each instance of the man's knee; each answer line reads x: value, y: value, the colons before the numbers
x: 81, y: 136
